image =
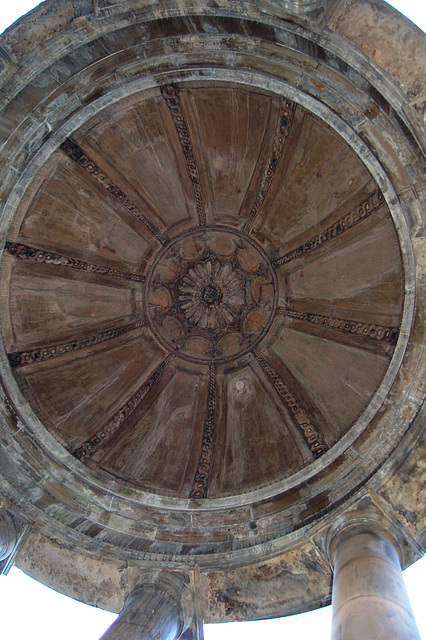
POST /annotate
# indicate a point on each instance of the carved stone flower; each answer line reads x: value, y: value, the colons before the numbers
x: 211, y: 295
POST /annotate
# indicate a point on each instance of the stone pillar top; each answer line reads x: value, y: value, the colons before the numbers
x: 8, y: 536
x: 370, y: 600
x: 159, y: 607
x: 175, y: 583
x: 362, y: 518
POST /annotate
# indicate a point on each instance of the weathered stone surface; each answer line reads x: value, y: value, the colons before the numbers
x: 272, y: 156
x: 370, y: 22
x: 286, y: 587
x: 77, y: 575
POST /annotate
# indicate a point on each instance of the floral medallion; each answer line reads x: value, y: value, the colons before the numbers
x: 211, y: 295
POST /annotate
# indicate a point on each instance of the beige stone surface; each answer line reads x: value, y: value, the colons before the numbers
x: 375, y: 27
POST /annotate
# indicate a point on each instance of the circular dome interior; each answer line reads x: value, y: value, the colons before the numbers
x: 205, y: 290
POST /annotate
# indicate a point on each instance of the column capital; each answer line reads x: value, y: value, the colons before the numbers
x: 362, y: 519
x: 176, y: 584
x: 300, y: 8
x: 8, y: 535
x: 159, y: 607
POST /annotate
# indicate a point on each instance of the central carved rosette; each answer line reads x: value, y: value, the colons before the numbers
x: 211, y: 295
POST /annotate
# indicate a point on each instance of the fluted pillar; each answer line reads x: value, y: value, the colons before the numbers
x: 8, y: 535
x: 370, y: 601
x: 158, y: 608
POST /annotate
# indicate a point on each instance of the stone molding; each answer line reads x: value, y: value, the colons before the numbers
x: 301, y: 7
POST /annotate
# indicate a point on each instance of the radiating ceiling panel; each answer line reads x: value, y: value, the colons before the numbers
x: 205, y: 291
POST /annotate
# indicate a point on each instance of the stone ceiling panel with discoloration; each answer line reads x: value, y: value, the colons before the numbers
x: 208, y: 294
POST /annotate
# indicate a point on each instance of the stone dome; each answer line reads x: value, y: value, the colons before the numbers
x: 203, y: 346
x: 212, y: 335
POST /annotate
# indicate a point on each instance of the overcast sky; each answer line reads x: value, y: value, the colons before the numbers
x: 30, y: 610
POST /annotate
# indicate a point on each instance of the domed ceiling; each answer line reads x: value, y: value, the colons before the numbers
x: 205, y: 290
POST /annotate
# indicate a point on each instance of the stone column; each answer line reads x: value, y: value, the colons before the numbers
x: 370, y: 600
x: 158, y: 608
x: 300, y: 7
x: 8, y: 536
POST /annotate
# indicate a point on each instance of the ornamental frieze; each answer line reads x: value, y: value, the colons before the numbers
x: 356, y: 215
x: 33, y: 254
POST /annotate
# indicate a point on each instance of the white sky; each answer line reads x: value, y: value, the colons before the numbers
x: 30, y: 610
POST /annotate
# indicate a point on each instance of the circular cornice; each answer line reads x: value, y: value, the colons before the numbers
x: 374, y: 167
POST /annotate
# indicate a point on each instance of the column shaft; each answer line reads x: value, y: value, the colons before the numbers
x: 370, y: 601
x: 153, y: 611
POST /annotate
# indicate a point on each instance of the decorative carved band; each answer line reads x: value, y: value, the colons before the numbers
x: 373, y: 331
x: 311, y: 435
x: 40, y: 354
x: 33, y: 254
x: 171, y: 97
x: 74, y: 152
x: 360, y: 212
x: 88, y: 448
x: 199, y: 488
x: 285, y: 121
